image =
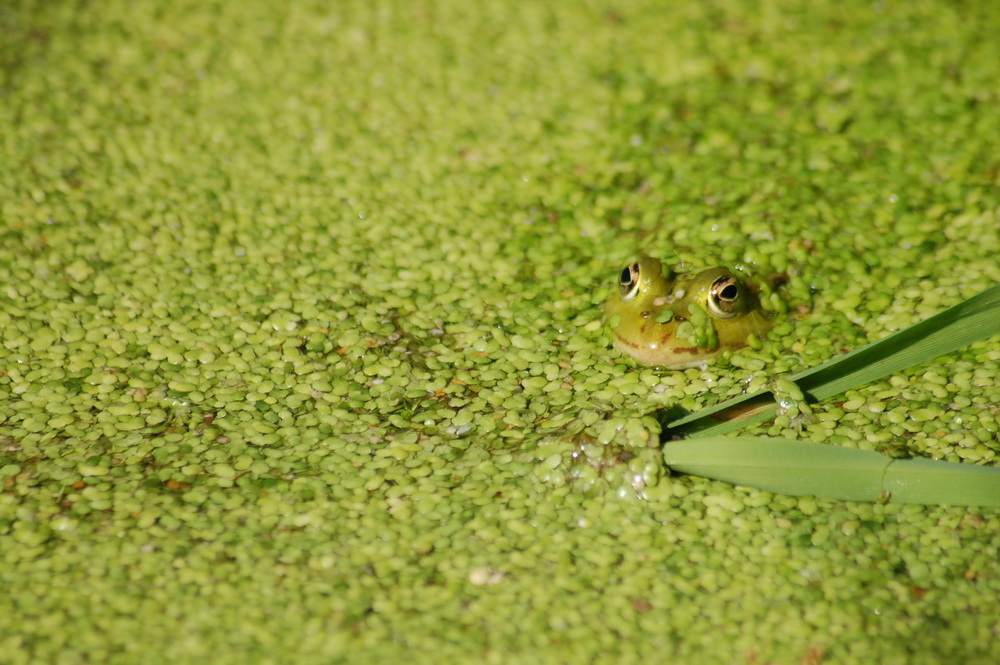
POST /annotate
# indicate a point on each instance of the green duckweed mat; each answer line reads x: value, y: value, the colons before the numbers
x: 301, y: 355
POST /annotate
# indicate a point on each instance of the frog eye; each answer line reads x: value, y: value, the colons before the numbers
x: 724, y: 297
x: 628, y: 282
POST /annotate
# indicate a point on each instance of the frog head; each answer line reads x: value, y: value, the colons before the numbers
x: 678, y: 320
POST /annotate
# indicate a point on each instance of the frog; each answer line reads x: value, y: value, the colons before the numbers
x: 678, y: 320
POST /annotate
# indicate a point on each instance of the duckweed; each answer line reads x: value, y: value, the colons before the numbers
x: 301, y: 354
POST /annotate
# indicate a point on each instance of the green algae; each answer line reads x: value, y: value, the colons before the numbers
x: 300, y: 353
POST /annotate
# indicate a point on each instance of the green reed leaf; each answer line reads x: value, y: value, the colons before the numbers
x: 801, y: 468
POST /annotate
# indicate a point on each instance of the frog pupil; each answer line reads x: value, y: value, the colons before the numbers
x: 729, y: 292
x: 626, y: 277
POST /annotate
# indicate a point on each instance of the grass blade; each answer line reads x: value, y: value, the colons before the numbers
x: 803, y: 468
x: 970, y: 321
x: 945, y: 483
x: 782, y: 466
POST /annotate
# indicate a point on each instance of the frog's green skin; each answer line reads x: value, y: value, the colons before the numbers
x: 726, y: 313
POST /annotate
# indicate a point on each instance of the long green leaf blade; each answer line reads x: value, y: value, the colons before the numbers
x: 948, y: 483
x: 801, y: 468
x: 782, y: 466
x: 970, y: 321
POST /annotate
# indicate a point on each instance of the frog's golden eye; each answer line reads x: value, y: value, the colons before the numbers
x: 724, y: 297
x: 628, y: 282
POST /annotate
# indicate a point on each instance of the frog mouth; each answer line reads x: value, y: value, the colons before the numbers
x: 661, y: 355
x: 659, y: 346
x: 638, y: 345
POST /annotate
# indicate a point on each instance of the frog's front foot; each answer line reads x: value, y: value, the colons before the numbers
x: 792, y: 404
